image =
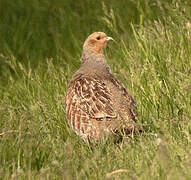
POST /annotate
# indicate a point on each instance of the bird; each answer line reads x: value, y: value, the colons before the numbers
x: 97, y: 104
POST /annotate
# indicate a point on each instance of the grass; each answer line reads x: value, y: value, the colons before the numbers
x: 41, y: 45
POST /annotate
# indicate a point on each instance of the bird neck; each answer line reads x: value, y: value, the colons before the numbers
x: 94, y: 61
x: 91, y: 55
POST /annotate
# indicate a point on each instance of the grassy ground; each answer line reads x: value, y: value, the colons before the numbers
x: 40, y: 49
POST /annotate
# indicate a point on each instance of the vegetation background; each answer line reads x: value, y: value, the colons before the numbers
x: 40, y: 49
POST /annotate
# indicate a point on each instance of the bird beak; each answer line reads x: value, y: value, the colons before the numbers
x: 109, y: 38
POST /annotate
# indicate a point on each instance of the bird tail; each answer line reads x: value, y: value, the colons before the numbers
x: 129, y: 130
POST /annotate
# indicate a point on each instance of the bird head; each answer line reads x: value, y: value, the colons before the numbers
x: 96, y: 42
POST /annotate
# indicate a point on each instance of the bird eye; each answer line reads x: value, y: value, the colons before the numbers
x: 98, y: 38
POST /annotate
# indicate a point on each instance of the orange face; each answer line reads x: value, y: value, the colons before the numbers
x: 97, y: 41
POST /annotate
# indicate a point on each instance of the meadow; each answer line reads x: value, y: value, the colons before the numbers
x: 40, y: 49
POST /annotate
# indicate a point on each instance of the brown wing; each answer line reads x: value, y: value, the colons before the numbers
x: 88, y: 98
x: 131, y: 106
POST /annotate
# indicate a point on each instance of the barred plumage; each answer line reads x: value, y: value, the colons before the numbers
x: 97, y: 104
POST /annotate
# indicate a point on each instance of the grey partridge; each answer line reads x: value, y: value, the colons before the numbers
x: 97, y: 104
